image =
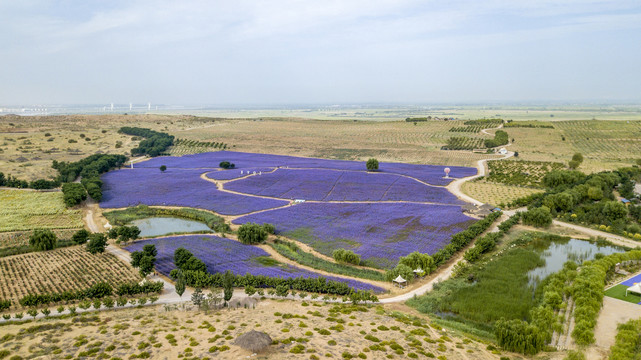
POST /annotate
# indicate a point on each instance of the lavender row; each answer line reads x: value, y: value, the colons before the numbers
x: 221, y: 254
x: 175, y: 187
x: 432, y: 174
x: 335, y: 185
x: 380, y: 233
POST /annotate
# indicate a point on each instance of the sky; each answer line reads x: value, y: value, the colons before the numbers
x: 331, y: 51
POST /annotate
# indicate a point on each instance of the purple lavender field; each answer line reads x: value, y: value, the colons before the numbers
x: 175, y: 187
x: 380, y: 233
x: 341, y: 185
x: 236, y: 173
x: 221, y: 254
x: 432, y: 174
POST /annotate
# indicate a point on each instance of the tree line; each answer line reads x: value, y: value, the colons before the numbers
x: 155, y: 143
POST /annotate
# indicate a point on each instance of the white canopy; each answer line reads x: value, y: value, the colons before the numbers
x: 636, y: 288
x: 399, y: 279
x: 418, y: 270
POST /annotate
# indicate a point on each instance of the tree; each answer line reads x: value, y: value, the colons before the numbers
x: 573, y: 164
x: 80, y: 236
x: 516, y: 154
x: 578, y: 157
x: 346, y: 256
x: 146, y: 265
x: 282, y: 290
x: 614, y: 210
x: 371, y: 164
x: 43, y: 239
x: 215, y: 296
x: 250, y: 233
x: 150, y: 250
x: 250, y: 290
x: 180, y: 285
x: 97, y: 243
x: 226, y: 165
x: 539, y: 217
x: 181, y: 256
x: 197, y: 297
x: 417, y: 260
x: 163, y: 168
x: 228, y: 285
x: 136, y: 256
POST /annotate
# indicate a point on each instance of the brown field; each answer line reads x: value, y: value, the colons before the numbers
x: 123, y: 333
x: 71, y: 268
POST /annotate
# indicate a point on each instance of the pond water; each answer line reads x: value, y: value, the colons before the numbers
x: 560, y: 252
x: 156, y: 226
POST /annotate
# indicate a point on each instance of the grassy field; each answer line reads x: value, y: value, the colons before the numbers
x: 495, y: 194
x: 298, y: 331
x: 618, y: 292
x: 18, y: 238
x: 27, y: 210
x: 499, y: 289
x: 71, y: 268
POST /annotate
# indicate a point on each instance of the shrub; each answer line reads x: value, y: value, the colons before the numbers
x: 539, y: 217
x: 43, y: 239
x: 80, y: 236
x: 371, y: 164
x: 346, y: 256
x: 226, y: 165
x: 251, y: 233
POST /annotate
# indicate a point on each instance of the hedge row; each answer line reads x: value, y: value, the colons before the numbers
x: 97, y: 291
x: 318, y: 285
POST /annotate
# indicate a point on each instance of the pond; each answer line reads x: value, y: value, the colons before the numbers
x: 560, y: 252
x: 156, y: 226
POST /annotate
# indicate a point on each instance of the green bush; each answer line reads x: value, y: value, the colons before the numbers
x: 539, y: 217
x: 371, y: 164
x: 250, y: 233
x: 43, y: 239
x: 346, y: 256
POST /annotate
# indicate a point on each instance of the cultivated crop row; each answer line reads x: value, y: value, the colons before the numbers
x: 520, y: 173
x: 58, y: 270
x: 26, y: 210
x: 463, y: 143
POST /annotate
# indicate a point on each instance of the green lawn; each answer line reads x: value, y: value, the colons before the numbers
x: 618, y: 292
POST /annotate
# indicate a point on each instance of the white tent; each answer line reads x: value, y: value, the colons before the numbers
x: 400, y: 281
x: 636, y: 288
x: 418, y: 271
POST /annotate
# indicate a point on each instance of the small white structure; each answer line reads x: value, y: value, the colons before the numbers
x: 108, y: 226
x: 299, y: 201
x: 503, y: 151
x: 636, y: 289
x: 418, y: 272
x: 400, y: 281
x: 241, y: 172
x: 254, y: 173
x: 132, y: 164
x: 447, y: 173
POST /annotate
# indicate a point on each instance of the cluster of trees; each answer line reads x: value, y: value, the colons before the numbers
x: 318, y: 285
x: 251, y: 233
x: 124, y: 233
x: 227, y: 165
x: 89, y: 169
x: 155, y: 143
x: 186, y: 261
x: 144, y: 260
x: 539, y: 217
x: 346, y: 256
x: 40, y: 184
x: 371, y: 164
x: 73, y: 194
x: 96, y: 291
x: 589, y: 199
x: 500, y: 138
x: 406, y: 265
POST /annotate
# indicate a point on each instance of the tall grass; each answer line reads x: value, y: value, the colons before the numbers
x: 291, y: 251
x: 491, y: 291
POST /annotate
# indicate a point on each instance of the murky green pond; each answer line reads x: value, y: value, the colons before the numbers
x: 558, y: 253
x: 156, y: 226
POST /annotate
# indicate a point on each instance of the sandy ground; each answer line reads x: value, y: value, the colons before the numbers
x: 315, y: 328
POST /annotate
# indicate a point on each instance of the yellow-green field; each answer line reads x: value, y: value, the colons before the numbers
x: 496, y: 193
x: 27, y: 210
